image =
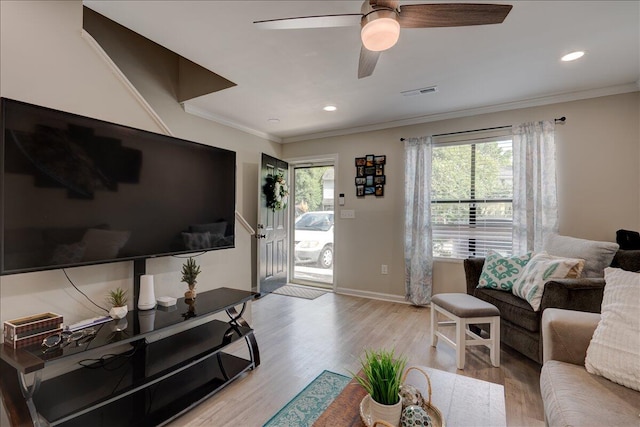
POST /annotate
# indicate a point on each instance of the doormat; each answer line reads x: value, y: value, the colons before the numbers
x: 311, y: 402
x: 298, y: 291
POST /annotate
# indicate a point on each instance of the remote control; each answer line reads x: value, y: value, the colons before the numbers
x: 88, y: 322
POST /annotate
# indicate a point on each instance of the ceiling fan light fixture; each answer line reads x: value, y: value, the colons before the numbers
x: 380, y: 30
x: 572, y: 56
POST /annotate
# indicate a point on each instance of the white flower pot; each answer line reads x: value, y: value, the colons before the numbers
x: 388, y: 413
x: 118, y: 312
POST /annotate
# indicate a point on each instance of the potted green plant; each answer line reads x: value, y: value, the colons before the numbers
x: 190, y: 271
x: 117, y: 298
x: 381, y: 378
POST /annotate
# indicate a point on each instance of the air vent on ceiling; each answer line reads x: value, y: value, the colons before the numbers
x: 422, y: 91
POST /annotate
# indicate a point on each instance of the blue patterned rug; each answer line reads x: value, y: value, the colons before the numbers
x: 311, y: 402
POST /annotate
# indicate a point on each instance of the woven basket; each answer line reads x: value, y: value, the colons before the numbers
x: 437, y: 420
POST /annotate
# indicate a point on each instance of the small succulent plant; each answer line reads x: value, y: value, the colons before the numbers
x: 117, y: 297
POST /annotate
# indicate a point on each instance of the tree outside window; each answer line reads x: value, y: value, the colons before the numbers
x: 472, y: 192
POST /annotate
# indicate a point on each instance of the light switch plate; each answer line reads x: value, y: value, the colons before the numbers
x: 347, y: 213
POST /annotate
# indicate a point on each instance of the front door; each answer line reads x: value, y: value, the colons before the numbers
x: 313, y: 228
x: 272, y: 226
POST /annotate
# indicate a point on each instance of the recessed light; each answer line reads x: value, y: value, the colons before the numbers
x: 330, y: 108
x: 573, y: 56
x: 273, y: 120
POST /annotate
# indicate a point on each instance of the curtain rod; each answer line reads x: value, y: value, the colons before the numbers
x: 561, y: 120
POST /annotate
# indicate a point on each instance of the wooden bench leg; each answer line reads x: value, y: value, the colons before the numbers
x: 461, y: 338
x: 434, y: 326
x: 495, y: 342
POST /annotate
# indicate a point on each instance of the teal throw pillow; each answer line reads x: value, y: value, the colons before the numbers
x: 500, y: 272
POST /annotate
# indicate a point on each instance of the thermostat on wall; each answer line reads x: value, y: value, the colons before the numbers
x: 166, y: 301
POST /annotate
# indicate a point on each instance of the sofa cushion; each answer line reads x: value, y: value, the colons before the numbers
x: 614, y: 351
x: 573, y: 397
x: 596, y: 255
x: 539, y: 270
x: 512, y: 308
x: 500, y: 272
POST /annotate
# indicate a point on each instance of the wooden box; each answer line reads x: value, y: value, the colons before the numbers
x: 32, y: 329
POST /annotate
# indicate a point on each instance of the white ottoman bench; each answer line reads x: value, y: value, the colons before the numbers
x: 463, y: 310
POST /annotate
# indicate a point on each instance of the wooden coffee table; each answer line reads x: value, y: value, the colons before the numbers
x: 463, y: 401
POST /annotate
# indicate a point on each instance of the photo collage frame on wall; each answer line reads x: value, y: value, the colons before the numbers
x: 370, y: 177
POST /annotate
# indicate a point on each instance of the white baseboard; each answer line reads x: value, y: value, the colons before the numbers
x: 372, y: 295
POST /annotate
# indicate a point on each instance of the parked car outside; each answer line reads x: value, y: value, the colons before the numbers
x: 313, y: 236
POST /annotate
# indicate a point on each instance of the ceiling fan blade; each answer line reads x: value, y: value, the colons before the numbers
x: 451, y: 14
x: 367, y: 63
x: 321, y: 21
x: 391, y: 4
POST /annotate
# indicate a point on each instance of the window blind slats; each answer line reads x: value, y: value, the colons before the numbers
x: 472, y: 192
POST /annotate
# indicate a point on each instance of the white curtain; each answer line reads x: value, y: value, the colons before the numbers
x: 535, y: 205
x: 418, y: 253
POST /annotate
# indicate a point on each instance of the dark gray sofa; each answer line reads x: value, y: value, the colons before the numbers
x: 520, y: 326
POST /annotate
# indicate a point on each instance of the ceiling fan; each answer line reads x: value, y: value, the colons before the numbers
x: 381, y: 20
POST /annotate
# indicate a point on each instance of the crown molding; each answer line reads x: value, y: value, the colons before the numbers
x: 202, y: 113
x: 199, y: 112
x: 533, y: 102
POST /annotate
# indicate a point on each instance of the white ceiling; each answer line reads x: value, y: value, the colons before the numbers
x: 291, y: 74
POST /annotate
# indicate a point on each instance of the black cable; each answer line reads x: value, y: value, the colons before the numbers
x: 120, y: 380
x: 189, y: 256
x: 152, y: 395
x: 85, y: 295
x: 105, y: 360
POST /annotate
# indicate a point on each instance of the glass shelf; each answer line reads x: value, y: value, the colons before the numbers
x: 140, y: 324
x: 145, y: 383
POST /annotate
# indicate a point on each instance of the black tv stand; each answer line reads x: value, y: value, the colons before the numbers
x: 146, y: 383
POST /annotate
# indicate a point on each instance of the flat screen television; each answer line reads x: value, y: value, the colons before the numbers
x: 78, y: 191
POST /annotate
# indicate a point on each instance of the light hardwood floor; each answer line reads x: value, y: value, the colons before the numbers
x: 300, y: 338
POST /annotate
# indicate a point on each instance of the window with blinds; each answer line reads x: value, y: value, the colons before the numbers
x: 472, y: 196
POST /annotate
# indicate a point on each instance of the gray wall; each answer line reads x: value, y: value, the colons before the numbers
x: 45, y: 60
x: 598, y: 162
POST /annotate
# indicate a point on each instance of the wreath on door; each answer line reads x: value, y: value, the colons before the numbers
x: 277, y: 192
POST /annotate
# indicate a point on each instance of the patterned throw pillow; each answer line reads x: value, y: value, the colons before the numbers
x: 540, y: 269
x: 614, y: 350
x: 500, y: 272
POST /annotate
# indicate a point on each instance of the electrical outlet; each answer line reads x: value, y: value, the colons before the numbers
x: 384, y: 269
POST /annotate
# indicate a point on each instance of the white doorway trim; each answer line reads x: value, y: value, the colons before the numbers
x: 318, y: 160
